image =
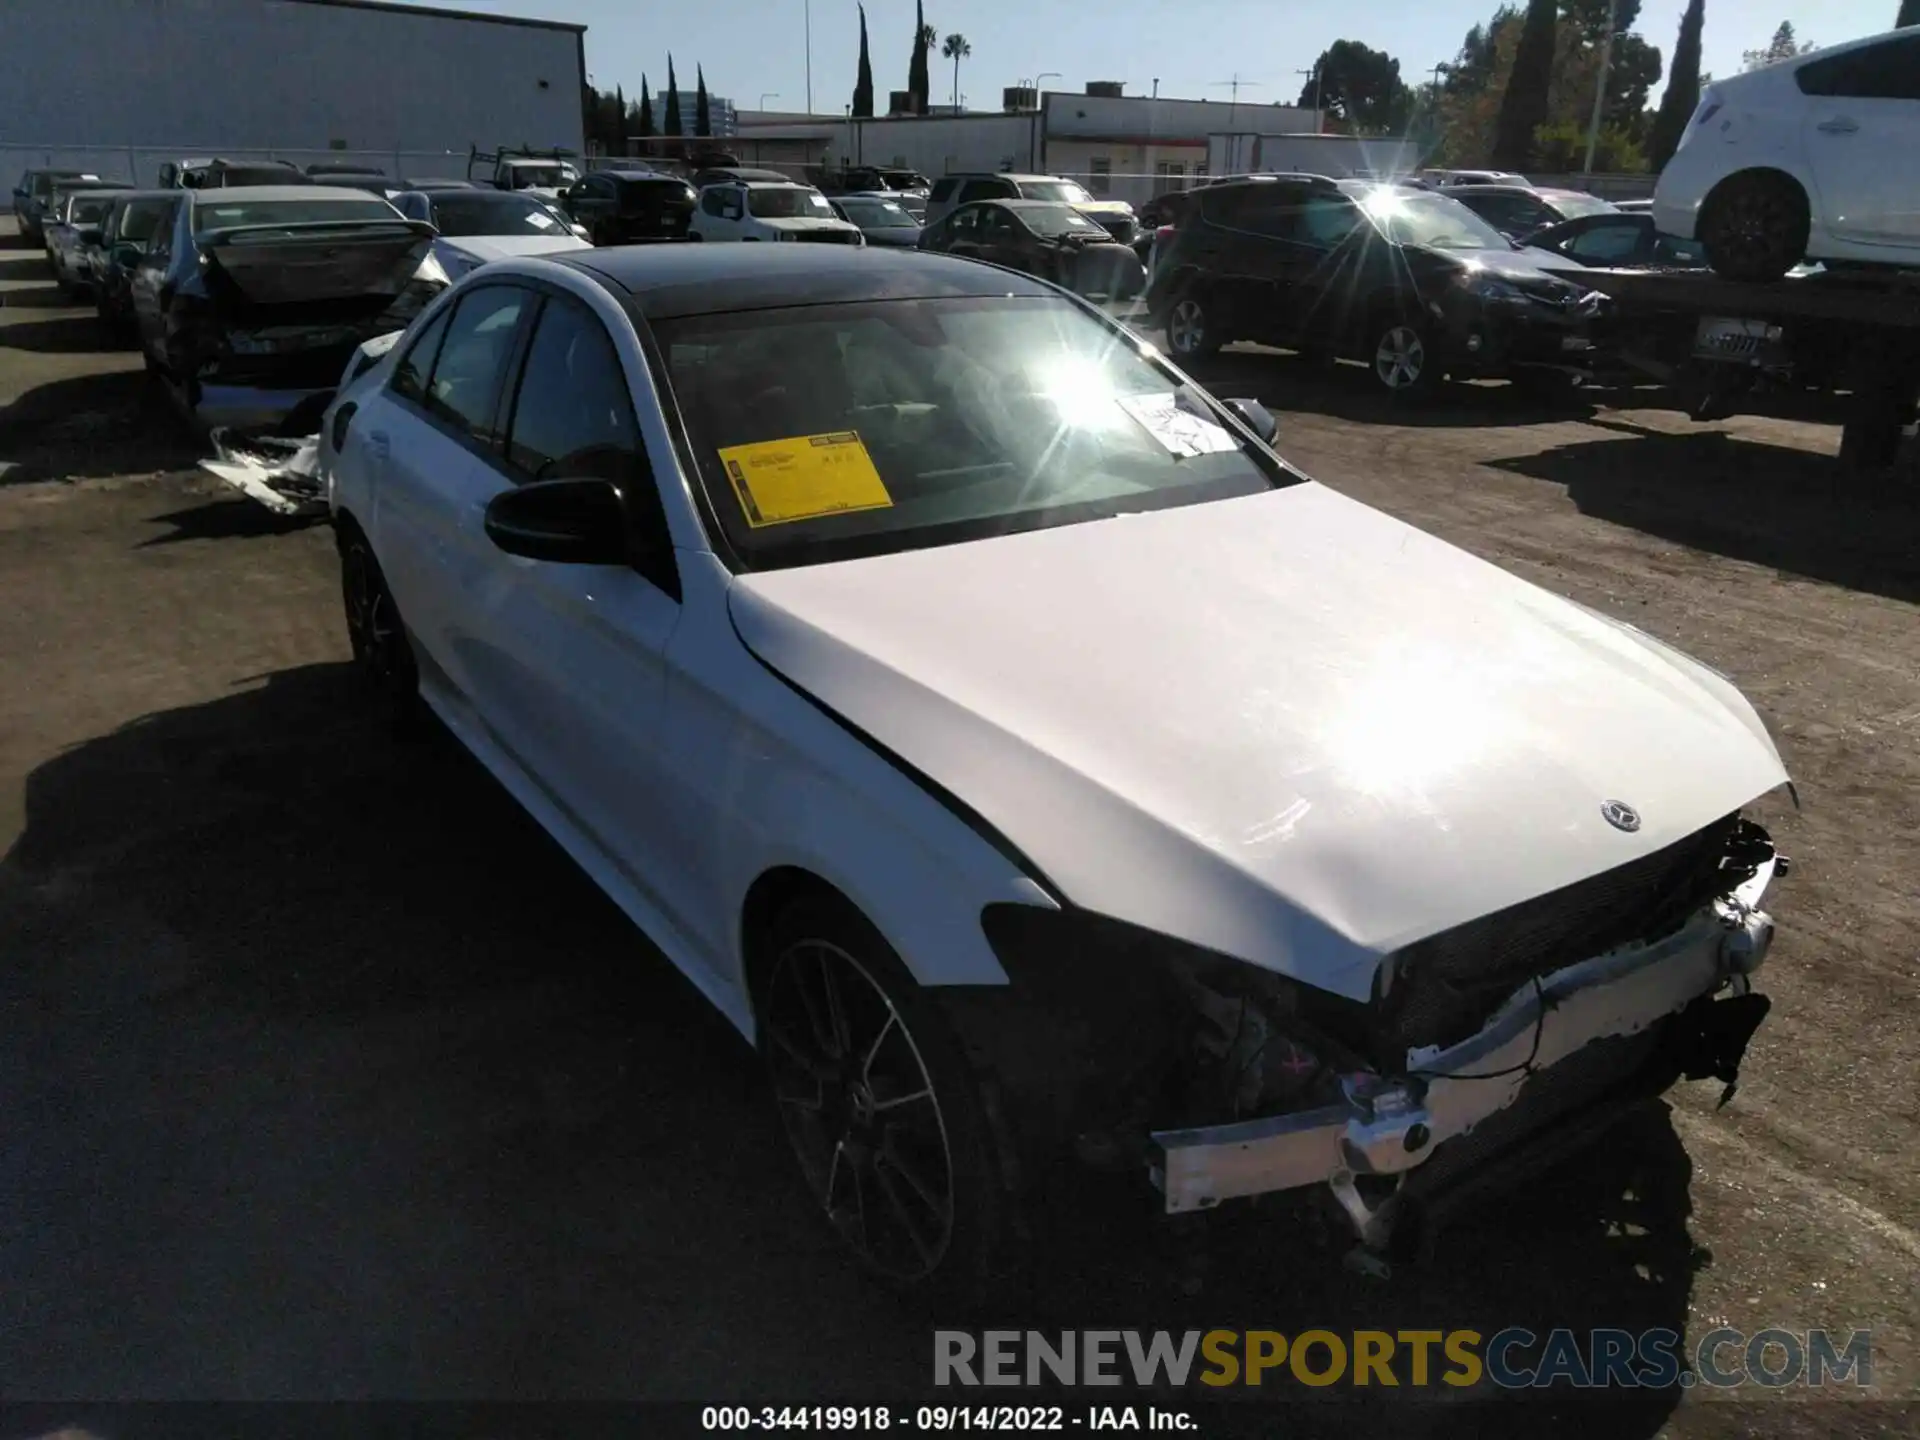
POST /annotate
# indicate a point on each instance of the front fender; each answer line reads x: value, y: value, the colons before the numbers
x: 769, y: 779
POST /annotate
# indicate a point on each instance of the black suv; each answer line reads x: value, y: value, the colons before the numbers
x: 1411, y: 282
x: 626, y: 207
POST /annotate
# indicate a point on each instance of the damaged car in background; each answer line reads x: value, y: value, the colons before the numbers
x: 250, y: 304
x: 475, y: 226
x: 1031, y: 762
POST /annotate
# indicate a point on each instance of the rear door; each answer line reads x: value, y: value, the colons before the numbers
x: 437, y: 440
x: 1862, y: 139
x: 568, y: 662
x: 1262, y: 263
x: 1318, y: 289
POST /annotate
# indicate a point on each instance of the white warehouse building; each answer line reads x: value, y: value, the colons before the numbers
x: 120, y: 87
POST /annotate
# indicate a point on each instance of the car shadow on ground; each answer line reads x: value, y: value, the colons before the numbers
x: 369, y: 1091
x: 226, y: 519
x: 40, y: 297
x: 1345, y: 391
x: 78, y: 334
x: 1768, y: 504
x: 87, y: 426
x: 25, y: 266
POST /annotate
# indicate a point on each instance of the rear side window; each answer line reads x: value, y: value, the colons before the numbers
x: 1887, y: 71
x: 411, y: 374
x: 473, y: 360
x: 943, y: 189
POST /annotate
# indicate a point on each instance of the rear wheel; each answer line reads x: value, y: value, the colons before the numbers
x: 1190, y: 329
x: 880, y: 1106
x: 1754, y: 226
x: 381, y: 650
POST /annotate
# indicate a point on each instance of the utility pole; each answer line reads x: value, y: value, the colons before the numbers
x: 1234, y: 87
x: 1315, y: 73
x: 1600, y: 89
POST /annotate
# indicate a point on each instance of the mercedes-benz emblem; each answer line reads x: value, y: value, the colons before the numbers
x: 1620, y: 815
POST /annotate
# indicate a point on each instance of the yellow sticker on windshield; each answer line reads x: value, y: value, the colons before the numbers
x: 800, y: 479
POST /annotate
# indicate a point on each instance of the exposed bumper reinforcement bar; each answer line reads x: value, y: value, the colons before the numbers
x: 1389, y: 1125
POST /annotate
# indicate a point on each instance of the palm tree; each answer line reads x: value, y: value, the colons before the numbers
x: 956, y: 48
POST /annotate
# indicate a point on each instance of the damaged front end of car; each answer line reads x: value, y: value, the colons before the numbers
x: 1484, y: 1053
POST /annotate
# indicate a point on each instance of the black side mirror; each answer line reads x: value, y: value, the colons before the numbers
x: 566, y: 522
x: 1256, y: 417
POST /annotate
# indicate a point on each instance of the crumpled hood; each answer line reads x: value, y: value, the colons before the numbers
x: 1286, y: 727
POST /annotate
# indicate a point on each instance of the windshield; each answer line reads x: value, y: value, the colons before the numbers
x: 828, y: 431
x: 475, y: 212
x: 789, y: 204
x: 287, y: 212
x: 1412, y: 217
x: 1572, y: 207
x: 878, y: 215
x: 1061, y: 192
x: 546, y: 175
x: 1057, y: 220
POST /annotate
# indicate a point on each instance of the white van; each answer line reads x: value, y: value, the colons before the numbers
x: 769, y: 210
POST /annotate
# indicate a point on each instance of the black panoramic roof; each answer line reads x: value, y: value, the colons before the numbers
x: 667, y: 281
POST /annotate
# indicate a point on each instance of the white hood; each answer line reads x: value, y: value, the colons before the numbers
x: 1287, y: 727
x: 460, y: 253
x: 805, y: 222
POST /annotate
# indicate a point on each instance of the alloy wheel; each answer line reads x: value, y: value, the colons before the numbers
x: 1400, y: 360
x: 370, y: 620
x: 860, y: 1109
x: 1187, y: 327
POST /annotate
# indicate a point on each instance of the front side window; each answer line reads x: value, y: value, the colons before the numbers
x: 1326, y: 222
x: 714, y: 201
x: 473, y: 357
x: 788, y: 204
x: 827, y: 431
x: 572, y: 418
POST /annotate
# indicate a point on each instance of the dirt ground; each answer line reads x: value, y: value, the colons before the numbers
x: 326, y: 1075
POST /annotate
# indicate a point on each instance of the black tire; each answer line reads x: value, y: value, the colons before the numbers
x: 882, y: 1109
x: 1192, y: 333
x: 1754, y: 226
x: 1401, y: 356
x: 381, y: 651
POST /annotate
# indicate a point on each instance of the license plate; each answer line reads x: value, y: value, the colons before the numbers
x: 1728, y: 338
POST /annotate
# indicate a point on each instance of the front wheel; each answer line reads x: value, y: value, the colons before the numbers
x: 880, y: 1107
x: 1403, y: 360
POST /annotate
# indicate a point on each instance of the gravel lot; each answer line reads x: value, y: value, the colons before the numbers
x: 328, y: 1076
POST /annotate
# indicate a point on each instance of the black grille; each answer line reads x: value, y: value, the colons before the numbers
x: 1445, y: 987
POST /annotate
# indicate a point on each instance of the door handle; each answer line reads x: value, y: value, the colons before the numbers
x: 1840, y: 125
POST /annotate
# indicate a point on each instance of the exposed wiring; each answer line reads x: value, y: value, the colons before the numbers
x: 1524, y: 1067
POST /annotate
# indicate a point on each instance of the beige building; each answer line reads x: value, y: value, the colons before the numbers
x: 1123, y: 146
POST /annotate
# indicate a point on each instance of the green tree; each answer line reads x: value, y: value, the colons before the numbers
x: 1472, y: 70
x: 863, y: 84
x: 702, y: 116
x: 918, y: 82
x: 1785, y: 45
x: 1683, y: 87
x: 646, y: 110
x: 956, y: 49
x: 1361, y: 86
x: 670, y: 121
x: 1591, y: 16
x: 1525, y: 103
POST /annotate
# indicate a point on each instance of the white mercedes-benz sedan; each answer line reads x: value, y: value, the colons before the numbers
x: 1032, y: 764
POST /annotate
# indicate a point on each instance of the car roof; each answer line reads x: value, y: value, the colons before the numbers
x: 147, y: 195
x: 230, y: 194
x: 668, y: 281
x: 77, y: 185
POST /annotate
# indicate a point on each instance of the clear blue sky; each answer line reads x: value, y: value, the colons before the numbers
x: 751, y: 47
